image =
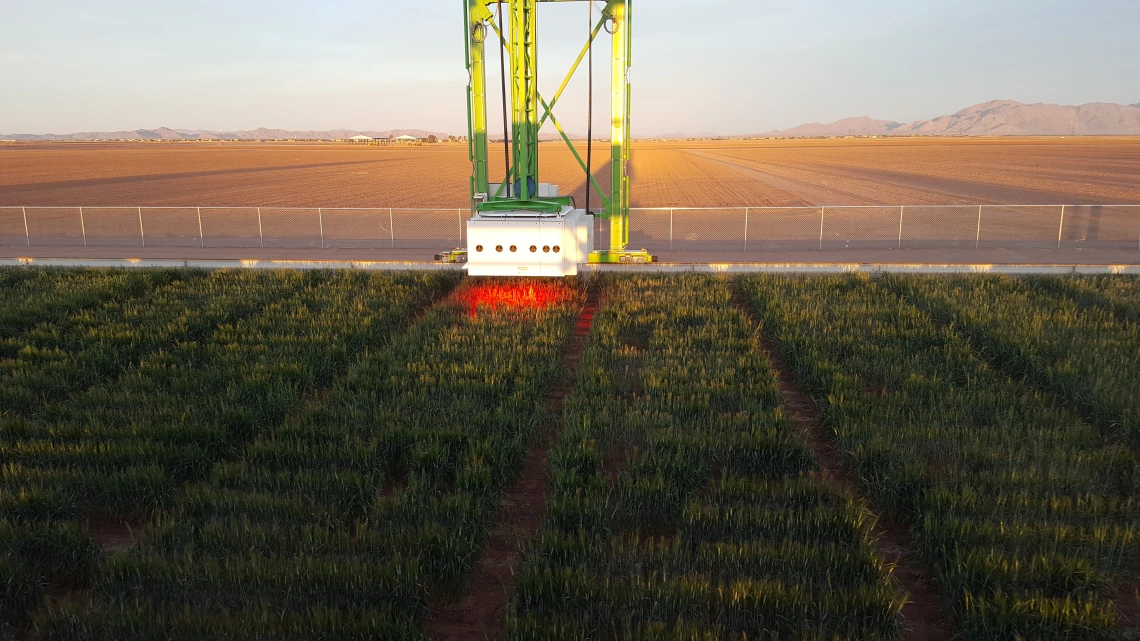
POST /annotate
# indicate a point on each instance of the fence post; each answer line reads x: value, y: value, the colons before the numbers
x: 142, y: 234
x: 746, y: 228
x: 978, y: 240
x: 459, y: 215
x: 260, y: 233
x: 83, y: 226
x: 201, y: 236
x: 902, y: 210
x: 26, y: 234
x: 822, y: 211
x: 321, y: 222
x: 392, y: 227
x: 1061, y: 228
x: 670, y: 230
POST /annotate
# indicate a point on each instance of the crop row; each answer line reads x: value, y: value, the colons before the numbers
x: 125, y: 448
x: 1026, y: 516
x: 56, y: 360
x: 1115, y: 293
x: 352, y: 515
x: 1086, y: 356
x: 29, y: 297
x: 683, y: 503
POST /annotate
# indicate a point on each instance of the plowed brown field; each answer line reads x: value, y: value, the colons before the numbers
x: 919, y: 171
x: 720, y: 173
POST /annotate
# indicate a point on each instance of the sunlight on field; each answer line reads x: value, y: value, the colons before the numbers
x: 663, y: 174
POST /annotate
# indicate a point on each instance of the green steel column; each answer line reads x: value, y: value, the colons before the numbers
x: 524, y: 91
x: 619, y: 134
x: 477, y: 14
x: 532, y: 82
x: 515, y: 41
x: 626, y: 193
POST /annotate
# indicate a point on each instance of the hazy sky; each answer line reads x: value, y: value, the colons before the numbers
x: 704, y: 65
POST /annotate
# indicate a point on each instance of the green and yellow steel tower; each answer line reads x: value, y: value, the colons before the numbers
x: 529, y: 111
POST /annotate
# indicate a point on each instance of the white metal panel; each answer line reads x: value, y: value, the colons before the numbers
x: 545, y: 190
x: 550, y: 247
x: 543, y: 246
x: 578, y: 236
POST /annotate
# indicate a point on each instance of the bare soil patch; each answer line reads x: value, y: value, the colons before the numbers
x: 887, y: 171
x: 1127, y: 600
x: 112, y: 535
x: 255, y: 175
x: 713, y: 173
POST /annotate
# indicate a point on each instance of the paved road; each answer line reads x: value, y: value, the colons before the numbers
x: 995, y: 256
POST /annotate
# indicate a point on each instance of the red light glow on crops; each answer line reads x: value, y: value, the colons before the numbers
x: 497, y: 296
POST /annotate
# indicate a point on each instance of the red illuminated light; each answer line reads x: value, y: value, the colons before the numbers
x: 505, y: 296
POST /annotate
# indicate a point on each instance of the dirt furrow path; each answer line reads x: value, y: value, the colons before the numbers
x: 923, y: 615
x: 480, y: 613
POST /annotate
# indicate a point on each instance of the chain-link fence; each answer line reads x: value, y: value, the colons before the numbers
x: 261, y: 227
x: 724, y: 229
x: 757, y: 229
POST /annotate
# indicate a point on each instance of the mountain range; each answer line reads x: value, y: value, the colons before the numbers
x: 165, y: 133
x: 995, y: 118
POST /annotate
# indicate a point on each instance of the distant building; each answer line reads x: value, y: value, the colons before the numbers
x: 369, y: 140
x: 409, y: 140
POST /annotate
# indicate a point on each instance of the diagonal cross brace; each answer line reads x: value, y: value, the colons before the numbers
x: 549, y: 112
x: 574, y: 67
x: 593, y: 181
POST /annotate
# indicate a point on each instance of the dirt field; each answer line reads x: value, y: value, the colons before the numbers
x: 239, y: 175
x: 720, y: 173
x: 1026, y: 171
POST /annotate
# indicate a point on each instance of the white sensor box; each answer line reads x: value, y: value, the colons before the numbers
x: 526, y: 243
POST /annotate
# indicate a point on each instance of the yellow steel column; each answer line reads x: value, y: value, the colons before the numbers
x: 524, y: 94
x: 619, y: 111
x: 477, y: 15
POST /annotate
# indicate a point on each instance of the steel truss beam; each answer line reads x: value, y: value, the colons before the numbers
x: 521, y: 45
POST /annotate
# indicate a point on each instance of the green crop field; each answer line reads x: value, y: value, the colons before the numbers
x: 247, y: 455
